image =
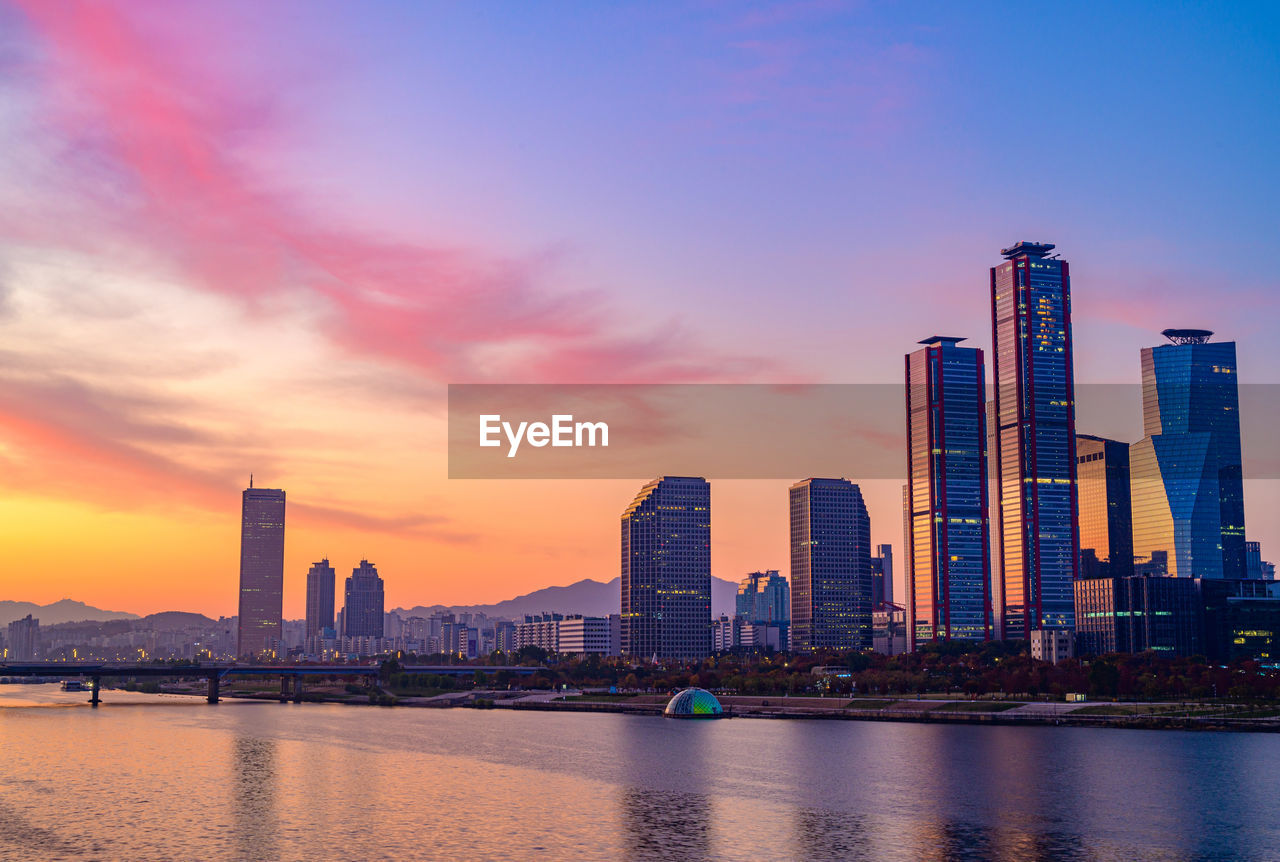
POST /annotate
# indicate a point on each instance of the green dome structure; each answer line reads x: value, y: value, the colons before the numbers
x: 693, y: 703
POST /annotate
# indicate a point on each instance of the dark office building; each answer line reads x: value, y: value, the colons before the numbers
x: 1035, y: 436
x: 362, y: 614
x: 1241, y: 620
x: 1106, y: 520
x: 948, y: 542
x: 321, y: 582
x: 1186, y: 476
x: 830, y: 566
x: 882, y: 576
x: 666, y: 570
x: 1138, y: 613
x: 261, y: 570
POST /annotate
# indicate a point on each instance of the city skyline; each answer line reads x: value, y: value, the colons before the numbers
x: 281, y: 229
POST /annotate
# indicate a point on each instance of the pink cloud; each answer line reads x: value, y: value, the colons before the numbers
x: 163, y: 140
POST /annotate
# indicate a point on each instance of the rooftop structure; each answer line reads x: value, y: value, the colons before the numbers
x: 1187, y: 336
x: 1030, y: 249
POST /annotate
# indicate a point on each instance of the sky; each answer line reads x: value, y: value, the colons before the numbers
x: 263, y: 238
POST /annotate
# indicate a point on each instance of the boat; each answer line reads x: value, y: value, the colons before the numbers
x: 73, y: 685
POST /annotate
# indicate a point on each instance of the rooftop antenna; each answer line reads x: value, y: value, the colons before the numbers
x: 250, y: 481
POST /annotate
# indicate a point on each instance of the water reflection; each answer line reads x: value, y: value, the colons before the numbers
x: 253, y: 785
x: 666, y: 813
x: 666, y: 825
x: 821, y: 834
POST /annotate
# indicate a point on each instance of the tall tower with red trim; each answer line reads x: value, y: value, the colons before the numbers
x: 1035, y: 440
x: 948, y: 543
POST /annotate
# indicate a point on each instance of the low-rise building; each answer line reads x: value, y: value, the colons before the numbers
x: 1138, y: 613
x: 889, y: 629
x: 1051, y: 645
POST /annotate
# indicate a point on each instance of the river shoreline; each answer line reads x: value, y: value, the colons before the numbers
x: 830, y: 709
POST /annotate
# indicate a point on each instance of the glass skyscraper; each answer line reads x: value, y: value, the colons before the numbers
x: 948, y: 540
x: 666, y: 570
x: 764, y: 597
x: 1185, y: 474
x: 1035, y: 439
x: 362, y: 612
x: 321, y: 580
x: 261, y: 570
x: 1106, y: 522
x: 830, y: 566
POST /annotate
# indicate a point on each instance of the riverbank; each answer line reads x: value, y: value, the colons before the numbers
x: 1148, y: 716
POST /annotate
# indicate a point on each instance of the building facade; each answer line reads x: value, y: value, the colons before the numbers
x: 1241, y: 620
x: 666, y: 570
x: 889, y: 629
x: 1051, y: 645
x: 764, y: 598
x: 363, y: 608
x: 830, y: 566
x: 1035, y: 440
x: 948, y: 541
x: 1136, y: 613
x: 22, y: 642
x: 582, y: 635
x: 1106, y: 518
x: 882, y: 576
x: 261, y: 571
x: 321, y: 584
x: 1186, y: 476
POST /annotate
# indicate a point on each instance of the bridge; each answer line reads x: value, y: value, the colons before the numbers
x: 291, y: 675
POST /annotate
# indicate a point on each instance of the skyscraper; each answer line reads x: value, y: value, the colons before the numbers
x: 950, y: 594
x: 882, y: 576
x: 1035, y: 439
x: 261, y: 570
x: 830, y: 566
x: 362, y: 613
x: 1106, y: 520
x: 321, y: 580
x: 666, y: 570
x: 764, y: 597
x: 1185, y: 474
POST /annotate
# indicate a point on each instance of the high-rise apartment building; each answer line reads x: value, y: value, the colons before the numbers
x: 261, y: 570
x: 362, y: 612
x: 949, y: 544
x: 321, y: 582
x: 1106, y: 518
x: 23, y: 640
x: 1035, y: 439
x: 666, y: 570
x: 830, y: 566
x: 1186, y: 474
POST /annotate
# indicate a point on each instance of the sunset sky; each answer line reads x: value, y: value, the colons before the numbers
x: 262, y: 237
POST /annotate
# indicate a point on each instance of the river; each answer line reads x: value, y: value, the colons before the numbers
x: 158, y: 777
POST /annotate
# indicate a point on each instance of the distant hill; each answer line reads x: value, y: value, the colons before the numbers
x: 176, y: 620
x: 64, y: 611
x: 586, y: 597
